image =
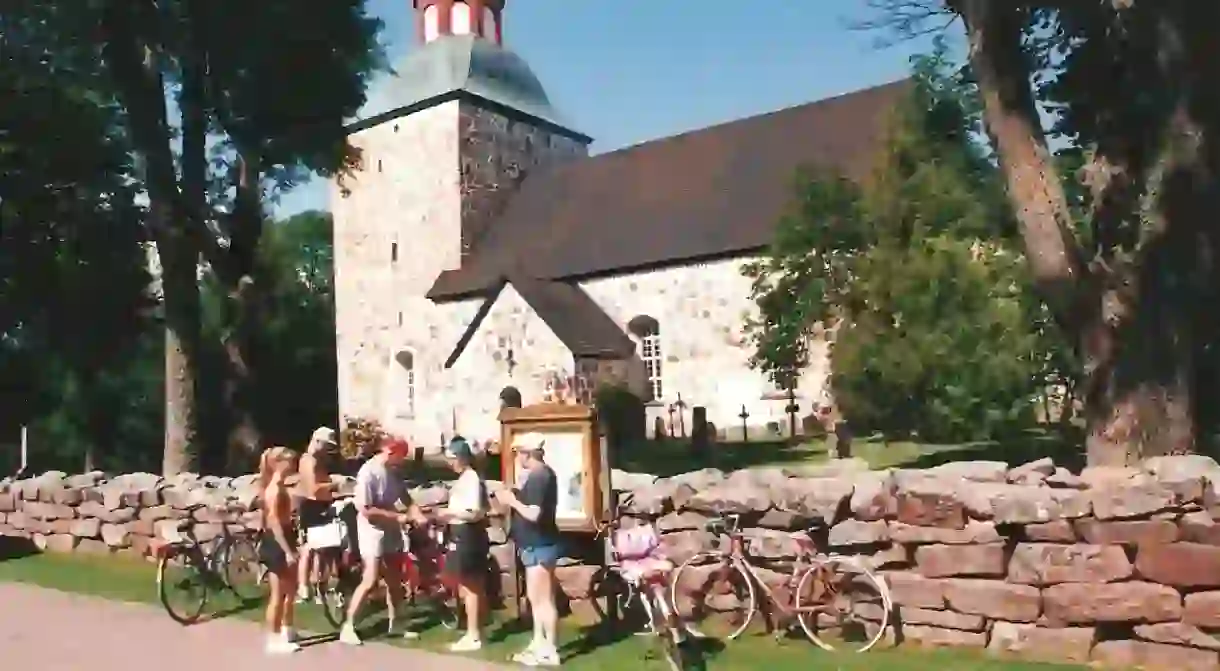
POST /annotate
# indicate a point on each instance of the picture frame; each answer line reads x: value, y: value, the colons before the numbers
x: 572, y: 450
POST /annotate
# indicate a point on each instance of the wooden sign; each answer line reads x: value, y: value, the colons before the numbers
x: 572, y: 450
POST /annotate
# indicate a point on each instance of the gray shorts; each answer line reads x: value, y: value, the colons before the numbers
x: 375, y: 542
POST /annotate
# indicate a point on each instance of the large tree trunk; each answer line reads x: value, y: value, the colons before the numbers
x: 1137, y: 351
x: 135, y: 68
x: 245, y: 437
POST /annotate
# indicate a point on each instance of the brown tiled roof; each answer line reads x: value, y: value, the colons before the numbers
x: 700, y: 195
x: 577, y: 321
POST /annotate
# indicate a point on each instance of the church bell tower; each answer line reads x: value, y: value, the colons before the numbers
x: 461, y: 110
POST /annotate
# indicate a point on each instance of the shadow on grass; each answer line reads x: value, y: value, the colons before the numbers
x: 667, y: 458
x: 12, y: 547
x: 1065, y: 448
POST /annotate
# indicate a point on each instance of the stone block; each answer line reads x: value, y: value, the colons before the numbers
x: 1043, y: 644
x: 941, y: 561
x: 994, y: 599
x: 1177, y: 633
x: 913, y: 589
x: 924, y: 508
x: 1130, y: 501
x: 939, y: 636
x: 1055, y: 531
x: 1087, y: 603
x: 61, y: 543
x: 855, y: 532
x: 1180, y: 564
x: 972, y: 533
x: 1127, y: 532
x: 945, y: 619
x: 1132, y: 654
x: 1049, y: 564
x: 88, y: 527
x: 1202, y: 609
x: 116, y: 535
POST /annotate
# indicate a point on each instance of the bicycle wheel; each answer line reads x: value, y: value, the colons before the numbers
x: 182, y: 587
x: 240, y: 567
x: 608, y: 588
x: 842, y: 594
x: 712, y: 593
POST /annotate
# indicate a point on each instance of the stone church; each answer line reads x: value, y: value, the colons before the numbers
x: 481, y: 251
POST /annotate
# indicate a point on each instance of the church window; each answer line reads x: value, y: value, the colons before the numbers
x: 648, y: 332
x: 432, y: 24
x: 403, y: 389
x: 393, y: 252
x: 460, y: 18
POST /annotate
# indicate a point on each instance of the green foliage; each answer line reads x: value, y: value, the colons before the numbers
x: 917, y: 275
x: 620, y: 414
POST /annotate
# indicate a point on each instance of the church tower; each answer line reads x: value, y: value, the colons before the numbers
x: 462, y: 120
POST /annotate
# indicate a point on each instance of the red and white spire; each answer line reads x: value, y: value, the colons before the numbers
x: 482, y: 18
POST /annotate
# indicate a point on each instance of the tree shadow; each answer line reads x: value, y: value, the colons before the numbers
x: 1065, y: 447
x: 15, y: 547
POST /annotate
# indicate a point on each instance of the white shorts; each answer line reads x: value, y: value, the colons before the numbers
x: 375, y: 543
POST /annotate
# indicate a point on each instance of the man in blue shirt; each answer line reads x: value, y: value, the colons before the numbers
x: 538, y: 544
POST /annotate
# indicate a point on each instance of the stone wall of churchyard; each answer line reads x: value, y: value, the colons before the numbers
x: 1117, y: 566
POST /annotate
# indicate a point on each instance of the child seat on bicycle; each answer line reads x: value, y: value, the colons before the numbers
x: 639, y: 553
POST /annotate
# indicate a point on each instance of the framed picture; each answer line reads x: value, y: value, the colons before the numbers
x: 572, y: 451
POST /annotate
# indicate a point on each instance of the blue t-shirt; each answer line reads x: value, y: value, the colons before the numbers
x: 541, y: 488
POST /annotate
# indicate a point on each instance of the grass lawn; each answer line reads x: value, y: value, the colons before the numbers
x: 133, y: 581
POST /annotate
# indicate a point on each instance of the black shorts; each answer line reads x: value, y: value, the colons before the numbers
x: 271, y: 555
x: 314, y: 513
x: 466, y: 556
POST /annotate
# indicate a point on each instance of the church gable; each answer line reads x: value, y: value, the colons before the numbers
x: 564, y: 309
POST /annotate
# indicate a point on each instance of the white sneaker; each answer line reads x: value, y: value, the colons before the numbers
x: 541, y: 657
x: 405, y: 634
x: 276, y: 645
x: 348, y: 636
x: 303, y: 594
x: 466, y: 644
x: 289, y: 635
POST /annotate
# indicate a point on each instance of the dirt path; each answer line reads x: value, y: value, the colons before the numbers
x: 45, y: 630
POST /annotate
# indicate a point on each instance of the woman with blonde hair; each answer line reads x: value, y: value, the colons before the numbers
x: 277, y: 548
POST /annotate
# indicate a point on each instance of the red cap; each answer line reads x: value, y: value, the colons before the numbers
x: 396, y: 445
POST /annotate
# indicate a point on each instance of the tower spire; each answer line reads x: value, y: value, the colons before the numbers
x: 437, y: 18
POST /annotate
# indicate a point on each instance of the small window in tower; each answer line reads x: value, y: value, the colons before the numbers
x: 489, y: 24
x: 403, y: 384
x: 432, y: 24
x: 400, y: 318
x: 378, y: 165
x: 460, y: 19
x: 393, y: 252
x: 647, y: 332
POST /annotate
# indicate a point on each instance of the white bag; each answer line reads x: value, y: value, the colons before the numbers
x: 325, y: 536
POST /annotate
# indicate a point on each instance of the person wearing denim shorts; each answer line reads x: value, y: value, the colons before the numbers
x: 538, y: 544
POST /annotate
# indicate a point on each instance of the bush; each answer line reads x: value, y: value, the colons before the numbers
x: 360, y: 437
x: 620, y: 414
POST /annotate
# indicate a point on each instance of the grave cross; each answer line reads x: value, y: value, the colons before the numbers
x: 681, y: 406
x: 792, y: 409
x: 745, y: 428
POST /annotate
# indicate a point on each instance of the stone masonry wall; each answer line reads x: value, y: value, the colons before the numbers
x: 1116, y: 566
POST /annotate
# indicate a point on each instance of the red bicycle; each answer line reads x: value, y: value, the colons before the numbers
x: 423, y: 571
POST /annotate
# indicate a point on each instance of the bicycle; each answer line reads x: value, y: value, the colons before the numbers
x: 222, y: 562
x: 422, y: 565
x: 818, y: 582
x: 636, y: 578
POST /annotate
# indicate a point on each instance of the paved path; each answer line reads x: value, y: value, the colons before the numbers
x: 45, y: 630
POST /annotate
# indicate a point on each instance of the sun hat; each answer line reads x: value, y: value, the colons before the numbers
x: 529, y: 442
x: 324, y: 435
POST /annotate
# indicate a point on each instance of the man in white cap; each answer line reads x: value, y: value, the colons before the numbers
x: 316, y: 493
x: 538, y: 545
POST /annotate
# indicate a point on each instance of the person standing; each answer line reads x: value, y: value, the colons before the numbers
x: 317, y: 494
x: 379, y: 532
x: 466, y: 559
x: 277, y: 546
x: 536, y: 536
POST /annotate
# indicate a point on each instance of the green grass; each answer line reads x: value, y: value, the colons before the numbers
x: 133, y: 581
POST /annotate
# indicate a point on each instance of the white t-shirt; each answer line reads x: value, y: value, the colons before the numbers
x: 467, y: 495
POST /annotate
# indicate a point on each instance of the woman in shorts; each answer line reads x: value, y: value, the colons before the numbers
x: 277, y: 549
x: 466, y: 558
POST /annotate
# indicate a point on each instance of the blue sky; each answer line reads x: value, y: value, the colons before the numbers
x: 628, y: 71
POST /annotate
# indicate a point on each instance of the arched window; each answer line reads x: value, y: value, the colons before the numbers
x: 489, y: 24
x: 460, y: 18
x: 648, y: 332
x: 510, y: 397
x: 403, y: 389
x: 432, y: 24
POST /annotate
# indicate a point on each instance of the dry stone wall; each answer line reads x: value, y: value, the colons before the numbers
x: 1114, y: 566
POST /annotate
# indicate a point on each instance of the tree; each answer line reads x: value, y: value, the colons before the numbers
x: 72, y: 260
x: 943, y: 346
x: 1132, y: 81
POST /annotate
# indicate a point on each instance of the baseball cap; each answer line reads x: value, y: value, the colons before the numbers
x: 459, y: 449
x: 396, y: 445
x: 529, y: 442
x: 324, y: 435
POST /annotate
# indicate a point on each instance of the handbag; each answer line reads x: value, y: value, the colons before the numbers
x: 329, y: 535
